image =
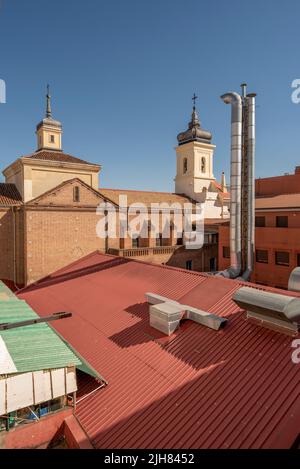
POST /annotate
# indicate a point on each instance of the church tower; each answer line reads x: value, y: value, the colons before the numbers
x: 49, y: 131
x: 194, y: 159
x: 49, y: 166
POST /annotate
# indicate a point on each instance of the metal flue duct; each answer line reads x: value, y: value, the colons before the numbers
x: 235, y: 183
x: 294, y: 280
x: 242, y: 196
x: 250, y: 187
x: 275, y: 311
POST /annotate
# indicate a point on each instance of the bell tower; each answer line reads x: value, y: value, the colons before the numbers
x: 49, y: 131
x: 194, y: 159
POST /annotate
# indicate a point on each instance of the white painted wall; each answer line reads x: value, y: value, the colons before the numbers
x: 25, y: 389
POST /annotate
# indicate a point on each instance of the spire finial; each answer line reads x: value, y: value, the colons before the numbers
x: 195, y: 119
x: 194, y: 101
x: 48, y: 110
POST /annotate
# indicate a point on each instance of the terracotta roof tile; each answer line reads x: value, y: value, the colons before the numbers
x: 216, y: 221
x: 235, y: 388
x: 278, y: 201
x: 9, y: 195
x: 56, y: 156
x: 144, y: 197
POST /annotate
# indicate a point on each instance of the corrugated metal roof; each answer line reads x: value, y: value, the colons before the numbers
x: 35, y: 347
x: 235, y: 388
x: 5, y: 292
x: 84, y: 366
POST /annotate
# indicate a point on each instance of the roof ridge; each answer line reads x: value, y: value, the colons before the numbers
x: 140, y: 190
x: 276, y: 195
x: 60, y: 154
x: 45, y: 281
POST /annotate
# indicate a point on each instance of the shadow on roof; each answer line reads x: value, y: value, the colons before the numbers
x: 56, y: 278
x: 231, y: 403
x: 188, y: 344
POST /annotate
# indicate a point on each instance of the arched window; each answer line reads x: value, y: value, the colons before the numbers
x: 185, y: 165
x: 203, y: 165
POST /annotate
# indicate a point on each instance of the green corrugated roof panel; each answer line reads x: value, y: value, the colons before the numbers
x: 35, y: 347
x: 5, y: 293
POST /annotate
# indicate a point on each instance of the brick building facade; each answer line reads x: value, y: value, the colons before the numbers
x: 277, y: 230
x: 48, y: 209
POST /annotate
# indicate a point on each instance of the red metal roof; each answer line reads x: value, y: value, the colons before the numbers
x: 199, y: 388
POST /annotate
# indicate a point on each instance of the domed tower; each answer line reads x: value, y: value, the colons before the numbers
x: 194, y: 159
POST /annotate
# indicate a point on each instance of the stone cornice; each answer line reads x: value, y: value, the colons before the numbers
x: 25, y: 161
x: 59, y: 164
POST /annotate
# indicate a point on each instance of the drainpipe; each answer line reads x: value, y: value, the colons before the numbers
x: 106, y: 231
x: 235, y: 184
x: 14, y: 248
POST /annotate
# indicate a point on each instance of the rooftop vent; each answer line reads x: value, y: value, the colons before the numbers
x: 274, y: 311
x: 166, y: 314
x: 294, y: 280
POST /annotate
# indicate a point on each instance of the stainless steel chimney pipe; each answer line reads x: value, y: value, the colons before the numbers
x: 250, y: 186
x: 235, y: 184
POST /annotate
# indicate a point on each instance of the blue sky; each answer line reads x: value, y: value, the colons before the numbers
x: 122, y: 74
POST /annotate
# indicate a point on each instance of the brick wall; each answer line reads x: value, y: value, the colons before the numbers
x: 20, y: 273
x: 55, y: 238
x: 200, y: 258
x: 54, y: 231
x: 287, y: 184
x: 270, y: 239
x: 34, y: 434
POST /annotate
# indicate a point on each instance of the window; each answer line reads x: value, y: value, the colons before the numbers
x: 159, y: 240
x: 262, y: 256
x: 51, y: 138
x: 282, y: 258
x: 122, y: 243
x: 76, y: 194
x: 185, y: 165
x: 189, y: 265
x: 203, y: 165
x: 260, y: 221
x: 298, y: 260
x: 210, y: 238
x: 135, y: 242
x: 282, y: 222
x: 212, y: 264
x: 226, y: 252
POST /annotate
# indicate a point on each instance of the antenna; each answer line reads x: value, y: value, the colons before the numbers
x: 29, y: 322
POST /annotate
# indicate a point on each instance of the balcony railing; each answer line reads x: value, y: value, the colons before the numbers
x: 147, y: 251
